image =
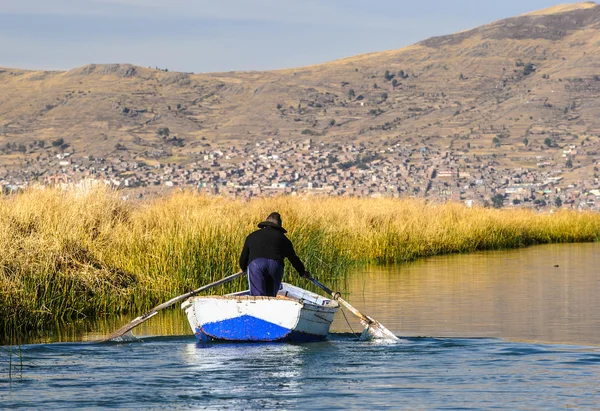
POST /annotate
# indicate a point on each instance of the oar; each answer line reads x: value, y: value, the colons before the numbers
x: 130, y: 326
x: 372, y: 326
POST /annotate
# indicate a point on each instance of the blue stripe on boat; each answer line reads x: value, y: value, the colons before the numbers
x: 244, y: 328
x: 294, y: 336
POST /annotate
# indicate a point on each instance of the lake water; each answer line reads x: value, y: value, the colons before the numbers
x: 494, y: 330
x: 548, y: 294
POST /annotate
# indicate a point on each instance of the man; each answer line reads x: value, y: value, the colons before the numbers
x: 263, y: 257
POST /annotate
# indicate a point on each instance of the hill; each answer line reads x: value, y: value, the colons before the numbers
x: 518, y: 89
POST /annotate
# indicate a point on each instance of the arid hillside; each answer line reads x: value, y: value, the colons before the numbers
x: 527, y: 84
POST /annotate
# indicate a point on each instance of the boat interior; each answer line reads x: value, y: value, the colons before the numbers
x: 291, y: 291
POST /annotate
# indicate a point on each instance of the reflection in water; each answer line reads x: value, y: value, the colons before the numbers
x: 273, y: 367
x: 546, y: 293
x: 170, y: 321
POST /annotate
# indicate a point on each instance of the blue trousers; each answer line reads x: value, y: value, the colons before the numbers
x: 264, y: 277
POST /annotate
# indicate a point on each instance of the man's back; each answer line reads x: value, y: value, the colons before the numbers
x: 271, y: 243
x: 263, y: 257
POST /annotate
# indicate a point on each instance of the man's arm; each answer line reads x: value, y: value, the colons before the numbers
x: 244, y: 256
x: 294, y: 259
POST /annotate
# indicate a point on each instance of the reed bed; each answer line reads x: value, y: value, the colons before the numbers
x: 71, y: 254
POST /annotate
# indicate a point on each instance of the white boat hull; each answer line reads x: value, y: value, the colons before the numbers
x: 294, y: 315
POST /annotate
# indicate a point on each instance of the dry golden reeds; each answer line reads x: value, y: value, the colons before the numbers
x: 71, y: 254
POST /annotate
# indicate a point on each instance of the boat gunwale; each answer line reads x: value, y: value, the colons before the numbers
x: 244, y: 297
x: 327, y: 302
x: 306, y: 304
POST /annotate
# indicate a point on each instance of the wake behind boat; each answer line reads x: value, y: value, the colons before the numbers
x: 295, y: 315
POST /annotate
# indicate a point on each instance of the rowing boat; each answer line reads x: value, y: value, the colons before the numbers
x: 294, y: 315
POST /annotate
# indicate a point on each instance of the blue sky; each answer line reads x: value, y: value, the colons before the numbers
x: 228, y: 35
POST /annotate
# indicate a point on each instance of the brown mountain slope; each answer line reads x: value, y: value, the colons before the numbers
x: 532, y: 77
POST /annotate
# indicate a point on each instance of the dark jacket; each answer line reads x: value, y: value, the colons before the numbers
x: 269, y: 242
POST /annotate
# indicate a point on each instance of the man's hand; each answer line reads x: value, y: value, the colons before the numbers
x: 305, y: 274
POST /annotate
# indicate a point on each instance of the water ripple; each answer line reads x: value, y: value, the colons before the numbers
x: 342, y: 373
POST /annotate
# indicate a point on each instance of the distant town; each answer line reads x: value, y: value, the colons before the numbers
x: 274, y: 167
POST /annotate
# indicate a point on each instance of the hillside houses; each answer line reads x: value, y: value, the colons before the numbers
x: 273, y: 167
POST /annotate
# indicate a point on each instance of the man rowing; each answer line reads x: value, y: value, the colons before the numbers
x: 263, y: 257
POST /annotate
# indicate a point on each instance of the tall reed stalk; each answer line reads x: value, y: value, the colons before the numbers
x: 71, y: 254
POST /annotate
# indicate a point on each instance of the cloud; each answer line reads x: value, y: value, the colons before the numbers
x: 347, y: 13
x: 52, y: 7
x: 224, y: 10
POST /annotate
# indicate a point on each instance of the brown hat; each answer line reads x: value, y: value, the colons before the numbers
x: 273, y: 220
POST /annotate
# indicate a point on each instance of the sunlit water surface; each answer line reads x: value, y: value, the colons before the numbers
x: 496, y: 330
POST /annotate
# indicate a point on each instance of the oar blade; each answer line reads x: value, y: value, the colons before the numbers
x: 125, y: 338
x: 121, y: 335
x: 374, y: 330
